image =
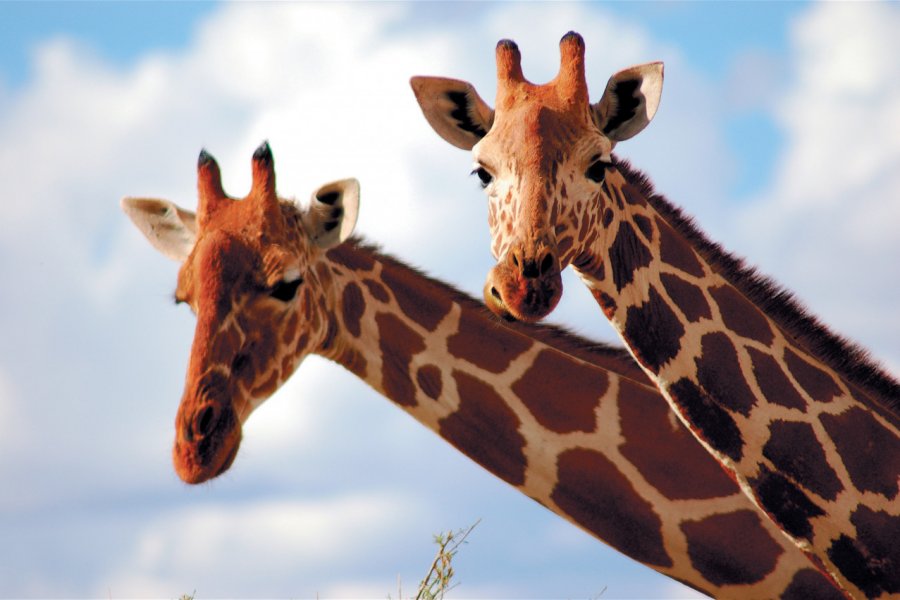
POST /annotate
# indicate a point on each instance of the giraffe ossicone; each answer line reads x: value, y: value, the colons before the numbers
x: 805, y: 421
x: 595, y: 442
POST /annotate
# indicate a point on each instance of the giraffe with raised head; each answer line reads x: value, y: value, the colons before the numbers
x: 574, y: 425
x: 808, y: 425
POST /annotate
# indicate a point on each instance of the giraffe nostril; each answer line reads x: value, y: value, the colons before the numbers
x: 203, y: 423
x: 546, y: 264
x: 495, y: 293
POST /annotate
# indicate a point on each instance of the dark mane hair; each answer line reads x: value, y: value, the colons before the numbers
x: 879, y: 389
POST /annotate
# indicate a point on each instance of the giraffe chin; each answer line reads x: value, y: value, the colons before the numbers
x: 513, y: 297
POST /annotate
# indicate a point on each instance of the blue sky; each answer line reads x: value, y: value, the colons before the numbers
x: 778, y: 130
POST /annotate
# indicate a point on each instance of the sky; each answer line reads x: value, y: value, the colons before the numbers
x: 778, y: 131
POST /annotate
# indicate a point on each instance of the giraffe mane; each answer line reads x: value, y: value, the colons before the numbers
x: 881, y: 389
x: 590, y: 351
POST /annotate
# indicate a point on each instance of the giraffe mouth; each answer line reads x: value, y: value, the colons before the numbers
x: 514, y: 297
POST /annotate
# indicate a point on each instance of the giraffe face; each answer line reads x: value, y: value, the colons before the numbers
x: 542, y: 156
x: 254, y: 276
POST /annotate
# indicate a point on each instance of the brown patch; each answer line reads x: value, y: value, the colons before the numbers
x: 632, y: 195
x: 331, y: 332
x: 398, y: 344
x: 607, y: 303
x: 796, y: 452
x: 597, y: 496
x: 870, y: 451
x: 872, y: 560
x: 428, y: 377
x: 732, y: 548
x: 562, y: 394
x: 719, y: 374
x: 486, y: 430
x: 666, y: 454
x: 564, y: 245
x: 378, y: 291
x: 773, y: 382
x: 809, y: 583
x: 687, y: 297
x: 740, y: 315
x: 352, y: 308
x: 711, y: 422
x: 820, y: 386
x: 426, y: 307
x: 791, y: 508
x: 290, y: 330
x: 627, y: 254
x: 302, y: 343
x: 645, y: 225
x: 607, y: 217
x: 653, y: 331
x: 352, y: 257
x: 676, y: 252
x: 475, y: 342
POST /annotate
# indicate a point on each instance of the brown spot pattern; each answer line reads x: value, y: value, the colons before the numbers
x: 644, y: 224
x: 786, y: 502
x: 378, y: 291
x: 475, y: 334
x: 486, y: 430
x: 597, y: 496
x: 732, y: 548
x: 773, y: 382
x: 562, y: 394
x: 820, y: 386
x: 674, y: 251
x: 741, y: 316
x: 352, y: 257
x: 711, y: 422
x: 809, y: 583
x: 427, y: 308
x: 872, y: 560
x: 669, y: 458
x: 290, y: 330
x: 796, y: 452
x: 653, y: 331
x: 687, y: 297
x: 352, y: 308
x: 428, y: 377
x: 398, y: 344
x: 870, y: 452
x: 719, y: 374
x: 627, y: 254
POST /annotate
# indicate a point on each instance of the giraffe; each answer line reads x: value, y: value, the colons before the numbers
x: 271, y: 283
x: 804, y: 420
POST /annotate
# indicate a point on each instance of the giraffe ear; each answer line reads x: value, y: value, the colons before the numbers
x: 332, y: 213
x: 170, y: 229
x: 453, y: 109
x: 629, y: 101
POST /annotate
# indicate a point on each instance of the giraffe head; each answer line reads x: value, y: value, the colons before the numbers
x: 249, y: 273
x: 541, y: 155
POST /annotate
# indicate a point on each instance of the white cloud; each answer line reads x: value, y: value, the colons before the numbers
x: 827, y: 226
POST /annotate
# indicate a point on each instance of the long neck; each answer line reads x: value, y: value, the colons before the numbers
x: 793, y: 411
x: 571, y: 424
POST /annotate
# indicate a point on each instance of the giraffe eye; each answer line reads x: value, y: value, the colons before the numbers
x: 597, y: 171
x: 286, y: 290
x: 483, y: 176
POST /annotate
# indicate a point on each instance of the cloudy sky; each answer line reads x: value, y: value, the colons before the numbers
x: 779, y: 130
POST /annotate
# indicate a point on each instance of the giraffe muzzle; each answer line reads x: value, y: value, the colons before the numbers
x: 523, y: 290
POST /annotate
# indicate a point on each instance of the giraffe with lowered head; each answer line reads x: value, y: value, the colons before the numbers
x: 807, y: 424
x: 574, y: 425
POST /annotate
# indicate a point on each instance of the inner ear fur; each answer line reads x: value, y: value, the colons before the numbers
x: 629, y: 101
x: 333, y: 210
x: 453, y: 109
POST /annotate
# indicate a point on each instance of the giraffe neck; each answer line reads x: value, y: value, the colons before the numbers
x: 596, y: 444
x: 807, y: 426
